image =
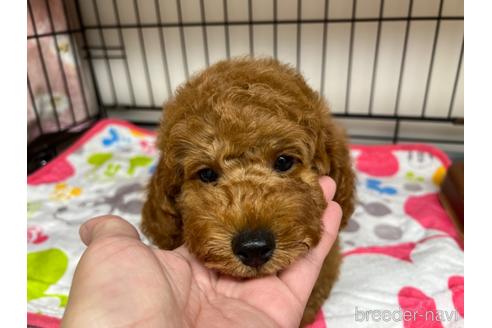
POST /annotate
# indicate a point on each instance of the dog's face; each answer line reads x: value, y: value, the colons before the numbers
x: 250, y: 199
x: 240, y: 167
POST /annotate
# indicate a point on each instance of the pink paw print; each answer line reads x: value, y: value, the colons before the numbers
x: 427, y: 210
x: 457, y: 286
x: 419, y: 310
x: 56, y: 171
x: 421, y: 307
x: 148, y: 147
x: 35, y: 235
x: 377, y: 163
x: 401, y: 251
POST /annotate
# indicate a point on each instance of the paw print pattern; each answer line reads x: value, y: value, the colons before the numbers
x: 35, y: 235
x: 126, y: 199
x: 428, y: 212
x: 112, y: 167
x: 97, y: 160
x: 419, y: 160
x: 377, y: 163
x: 352, y: 226
x: 388, y: 232
x: 413, y: 183
x: 439, y: 175
x: 376, y: 209
x: 382, y: 230
x: 112, y: 138
x: 63, y: 191
x: 147, y: 147
x: 401, y: 251
x: 33, y: 208
x: 57, y: 171
x: 457, y: 286
x: 422, y: 307
x: 138, y: 161
x: 377, y: 185
x: 115, y: 139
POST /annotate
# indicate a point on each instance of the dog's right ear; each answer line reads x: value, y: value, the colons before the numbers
x: 332, y: 158
x: 161, y: 221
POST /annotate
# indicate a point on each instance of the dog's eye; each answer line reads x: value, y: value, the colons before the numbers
x: 208, y: 175
x: 283, y: 163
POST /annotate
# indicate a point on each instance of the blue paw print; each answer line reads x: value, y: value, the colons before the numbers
x: 375, y: 184
x: 114, y: 138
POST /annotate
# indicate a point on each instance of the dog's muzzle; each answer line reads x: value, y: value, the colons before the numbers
x: 254, y: 247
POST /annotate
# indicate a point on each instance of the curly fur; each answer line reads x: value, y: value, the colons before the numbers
x: 236, y: 117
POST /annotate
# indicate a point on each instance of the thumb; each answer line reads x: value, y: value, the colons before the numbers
x: 309, y: 266
x: 106, y: 226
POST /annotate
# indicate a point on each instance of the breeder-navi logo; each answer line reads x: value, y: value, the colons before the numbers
x: 404, y: 315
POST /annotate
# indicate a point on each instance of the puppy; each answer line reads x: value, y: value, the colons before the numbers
x: 243, y: 144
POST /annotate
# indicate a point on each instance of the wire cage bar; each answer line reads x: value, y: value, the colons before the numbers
x: 391, y: 70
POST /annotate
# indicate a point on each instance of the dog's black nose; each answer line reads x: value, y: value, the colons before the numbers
x: 254, y: 247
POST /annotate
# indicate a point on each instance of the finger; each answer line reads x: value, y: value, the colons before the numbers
x: 106, y: 226
x: 331, y: 224
x: 328, y: 186
x: 301, y: 276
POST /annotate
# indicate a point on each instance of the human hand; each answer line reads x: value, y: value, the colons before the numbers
x: 121, y: 282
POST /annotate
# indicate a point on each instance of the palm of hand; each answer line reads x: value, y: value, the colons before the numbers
x: 131, y: 281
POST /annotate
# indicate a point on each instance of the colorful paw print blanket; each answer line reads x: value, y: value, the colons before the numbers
x: 403, y: 264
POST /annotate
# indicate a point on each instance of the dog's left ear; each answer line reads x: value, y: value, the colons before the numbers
x: 161, y: 221
x: 332, y: 158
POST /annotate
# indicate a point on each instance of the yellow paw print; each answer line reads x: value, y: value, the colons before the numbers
x: 64, y: 192
x: 439, y: 175
x: 137, y: 134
